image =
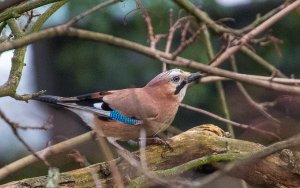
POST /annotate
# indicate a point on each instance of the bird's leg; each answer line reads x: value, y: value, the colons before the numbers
x: 122, y: 151
x: 156, y: 140
x: 113, y: 142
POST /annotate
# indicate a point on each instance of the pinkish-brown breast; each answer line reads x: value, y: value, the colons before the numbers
x: 156, y: 106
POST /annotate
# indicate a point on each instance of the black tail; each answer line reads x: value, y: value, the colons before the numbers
x: 48, y: 99
x: 56, y: 99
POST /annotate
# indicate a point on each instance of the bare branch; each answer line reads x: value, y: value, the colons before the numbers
x: 286, y: 81
x: 27, y: 97
x: 244, y: 126
x: 82, y: 160
x: 250, y: 35
x: 253, y: 103
x: 185, y: 43
x: 201, y: 15
x: 17, y: 10
x: 109, y: 157
x: 172, y: 31
x: 147, y: 18
x: 57, y: 148
x: 9, y: 88
x: 8, y: 3
x: 261, y: 61
x: 219, y: 84
x: 14, y: 127
x: 179, y: 61
x: 90, y: 11
x: 259, y: 19
x: 30, y: 15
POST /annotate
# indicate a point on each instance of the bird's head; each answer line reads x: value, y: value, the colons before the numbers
x: 175, y: 81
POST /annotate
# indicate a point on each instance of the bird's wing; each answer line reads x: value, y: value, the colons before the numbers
x: 133, y: 102
x: 94, y: 103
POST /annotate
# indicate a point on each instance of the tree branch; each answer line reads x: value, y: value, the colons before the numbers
x: 219, y: 84
x: 14, y: 127
x: 51, y: 150
x: 251, y: 34
x: 90, y: 11
x: 8, y: 3
x: 62, y: 30
x: 17, y: 10
x: 200, y: 145
x: 240, y: 125
x: 202, y: 16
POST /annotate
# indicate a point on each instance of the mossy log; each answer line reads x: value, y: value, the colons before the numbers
x: 204, y: 144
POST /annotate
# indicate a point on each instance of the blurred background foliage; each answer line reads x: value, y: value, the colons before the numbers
x: 69, y: 66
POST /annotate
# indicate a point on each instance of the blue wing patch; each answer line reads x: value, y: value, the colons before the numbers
x: 116, y: 115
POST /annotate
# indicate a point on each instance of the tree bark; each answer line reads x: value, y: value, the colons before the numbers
x: 202, y: 142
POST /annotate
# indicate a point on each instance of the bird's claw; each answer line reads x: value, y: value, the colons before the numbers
x: 159, y: 141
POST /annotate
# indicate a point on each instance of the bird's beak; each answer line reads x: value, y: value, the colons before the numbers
x: 193, y: 77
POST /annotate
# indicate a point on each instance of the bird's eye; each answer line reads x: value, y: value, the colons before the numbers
x: 176, y: 79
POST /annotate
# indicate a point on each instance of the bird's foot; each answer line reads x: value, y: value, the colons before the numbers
x: 130, y: 157
x: 158, y: 141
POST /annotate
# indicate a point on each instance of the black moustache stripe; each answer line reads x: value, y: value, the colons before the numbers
x: 179, y: 87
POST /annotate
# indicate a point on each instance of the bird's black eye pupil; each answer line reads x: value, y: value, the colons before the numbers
x: 176, y: 78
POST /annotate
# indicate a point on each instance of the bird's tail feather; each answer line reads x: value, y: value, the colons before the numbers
x: 70, y: 102
x: 55, y: 99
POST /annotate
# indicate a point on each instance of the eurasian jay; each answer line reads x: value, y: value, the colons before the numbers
x: 121, y: 114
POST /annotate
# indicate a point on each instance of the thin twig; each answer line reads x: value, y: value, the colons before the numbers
x: 9, y: 3
x: 219, y: 84
x: 57, y: 31
x: 46, y: 125
x: 90, y: 11
x: 289, y: 81
x: 145, y: 170
x: 253, y: 103
x: 167, y: 48
x: 185, y: 43
x: 46, y: 15
x: 147, y: 18
x: 259, y: 19
x: 82, y: 160
x: 261, y: 61
x: 61, y: 30
x: 26, y: 97
x: 243, y: 126
x: 172, y: 31
x: 250, y: 35
x: 202, y: 16
x: 235, y: 76
x: 14, y: 127
x: 173, y: 28
x: 57, y: 148
x: 9, y: 88
x: 30, y: 16
x: 19, y: 9
x: 116, y: 176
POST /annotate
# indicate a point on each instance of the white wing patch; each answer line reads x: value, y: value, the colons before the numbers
x: 98, y: 105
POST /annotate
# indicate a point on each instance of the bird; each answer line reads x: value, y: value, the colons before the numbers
x: 121, y: 114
